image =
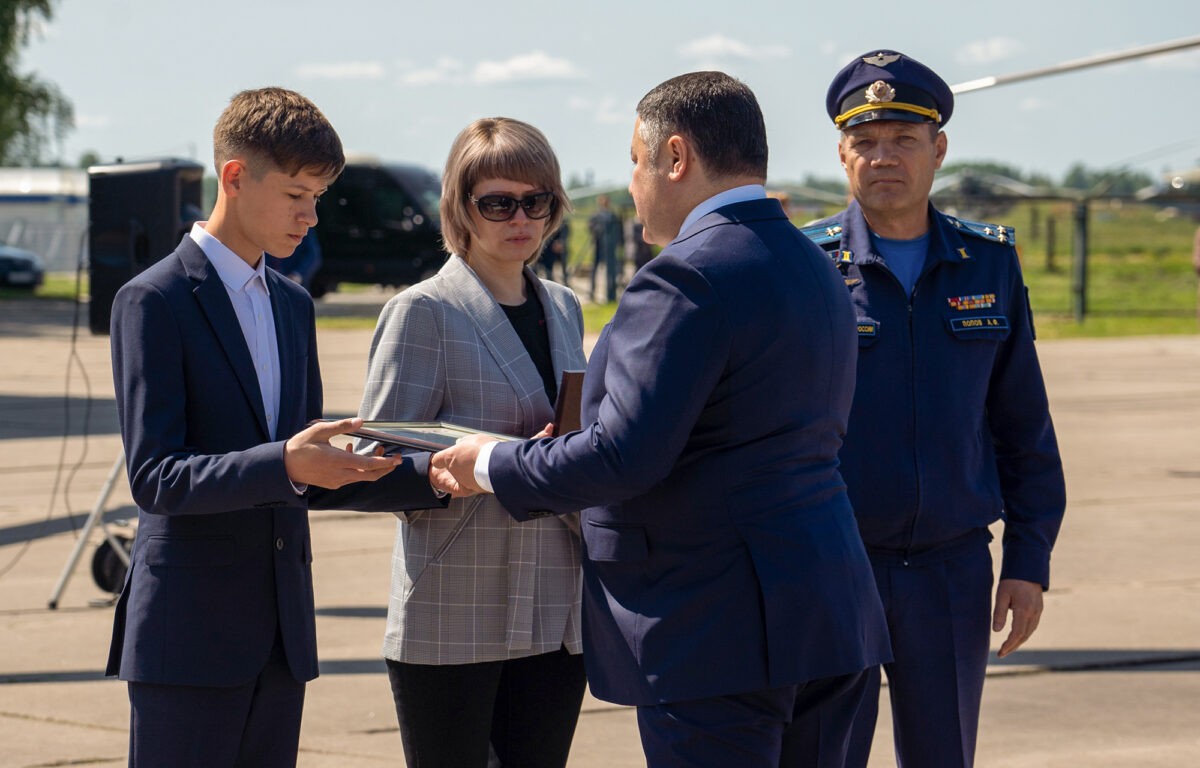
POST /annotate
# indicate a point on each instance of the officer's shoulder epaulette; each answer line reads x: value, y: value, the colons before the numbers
x: 824, y: 235
x: 997, y: 233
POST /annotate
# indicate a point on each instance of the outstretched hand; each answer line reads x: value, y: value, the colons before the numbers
x: 443, y: 480
x: 439, y: 479
x: 311, y: 460
x: 459, y: 461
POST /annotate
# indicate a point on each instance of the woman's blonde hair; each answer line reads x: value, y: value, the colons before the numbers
x: 497, y: 148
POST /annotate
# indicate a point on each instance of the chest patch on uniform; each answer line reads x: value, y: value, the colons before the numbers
x: 977, y: 301
x: 981, y: 323
x: 868, y: 328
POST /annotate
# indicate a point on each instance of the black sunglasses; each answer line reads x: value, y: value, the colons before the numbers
x: 504, y: 207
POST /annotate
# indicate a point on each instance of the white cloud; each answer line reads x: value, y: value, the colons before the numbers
x: 92, y: 121
x: 525, y: 67
x: 606, y: 111
x: 342, y: 70
x: 841, y: 57
x: 989, y: 51
x: 717, y: 46
x: 444, y: 70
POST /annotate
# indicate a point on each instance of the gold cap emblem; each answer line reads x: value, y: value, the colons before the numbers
x: 880, y: 92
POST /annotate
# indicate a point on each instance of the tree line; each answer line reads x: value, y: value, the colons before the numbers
x: 1116, y: 182
x: 34, y: 114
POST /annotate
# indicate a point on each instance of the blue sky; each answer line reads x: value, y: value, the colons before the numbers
x: 399, y: 79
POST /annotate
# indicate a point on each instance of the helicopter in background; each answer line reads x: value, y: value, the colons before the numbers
x: 1178, y: 190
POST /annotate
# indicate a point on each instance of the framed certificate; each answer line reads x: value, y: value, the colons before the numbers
x: 570, y: 397
x: 422, y: 435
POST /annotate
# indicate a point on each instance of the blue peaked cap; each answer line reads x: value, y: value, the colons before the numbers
x: 886, y: 85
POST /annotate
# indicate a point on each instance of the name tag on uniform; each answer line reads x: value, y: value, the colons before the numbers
x: 868, y: 328
x: 979, y: 323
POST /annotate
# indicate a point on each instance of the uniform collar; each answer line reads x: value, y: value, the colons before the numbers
x: 945, y: 243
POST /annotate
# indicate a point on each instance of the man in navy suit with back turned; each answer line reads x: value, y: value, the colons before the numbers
x: 215, y: 366
x: 727, y: 592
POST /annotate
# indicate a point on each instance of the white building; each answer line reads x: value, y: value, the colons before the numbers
x: 45, y: 210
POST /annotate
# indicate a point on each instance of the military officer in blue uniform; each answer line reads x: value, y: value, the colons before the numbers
x: 950, y: 429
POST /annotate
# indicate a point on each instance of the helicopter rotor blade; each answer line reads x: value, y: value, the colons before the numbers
x: 1069, y: 66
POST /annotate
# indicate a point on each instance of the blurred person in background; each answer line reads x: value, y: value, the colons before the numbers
x: 301, y: 267
x: 605, y: 228
x: 555, y: 251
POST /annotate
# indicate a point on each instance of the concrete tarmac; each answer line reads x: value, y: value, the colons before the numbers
x: 1111, y: 679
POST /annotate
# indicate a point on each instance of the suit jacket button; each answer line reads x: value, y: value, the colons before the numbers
x: 279, y: 544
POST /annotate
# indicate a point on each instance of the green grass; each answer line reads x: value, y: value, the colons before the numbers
x: 57, y: 286
x: 1140, y: 275
x: 355, y: 287
x: 595, y: 316
x: 347, y: 323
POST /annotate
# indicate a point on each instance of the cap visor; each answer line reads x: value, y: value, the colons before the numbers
x: 886, y: 114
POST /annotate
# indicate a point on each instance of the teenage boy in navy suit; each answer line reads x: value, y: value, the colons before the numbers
x: 215, y: 366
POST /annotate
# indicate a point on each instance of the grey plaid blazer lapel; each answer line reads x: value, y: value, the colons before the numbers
x: 499, y: 338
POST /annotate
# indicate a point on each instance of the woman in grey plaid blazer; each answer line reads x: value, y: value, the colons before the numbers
x: 483, y: 634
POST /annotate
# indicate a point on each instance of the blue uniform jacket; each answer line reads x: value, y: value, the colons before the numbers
x: 720, y: 550
x: 950, y: 428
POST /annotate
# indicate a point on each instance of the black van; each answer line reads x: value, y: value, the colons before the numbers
x: 378, y: 223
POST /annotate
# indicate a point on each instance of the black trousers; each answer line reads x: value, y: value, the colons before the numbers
x: 522, y: 711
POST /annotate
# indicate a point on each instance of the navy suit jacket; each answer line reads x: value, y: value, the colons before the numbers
x: 721, y: 553
x: 222, y: 555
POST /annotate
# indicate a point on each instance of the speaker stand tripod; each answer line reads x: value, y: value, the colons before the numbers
x: 96, y: 517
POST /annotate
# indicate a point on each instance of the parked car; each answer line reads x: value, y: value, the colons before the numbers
x: 378, y: 223
x: 20, y: 268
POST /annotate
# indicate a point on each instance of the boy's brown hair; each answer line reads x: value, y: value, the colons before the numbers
x: 276, y: 127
